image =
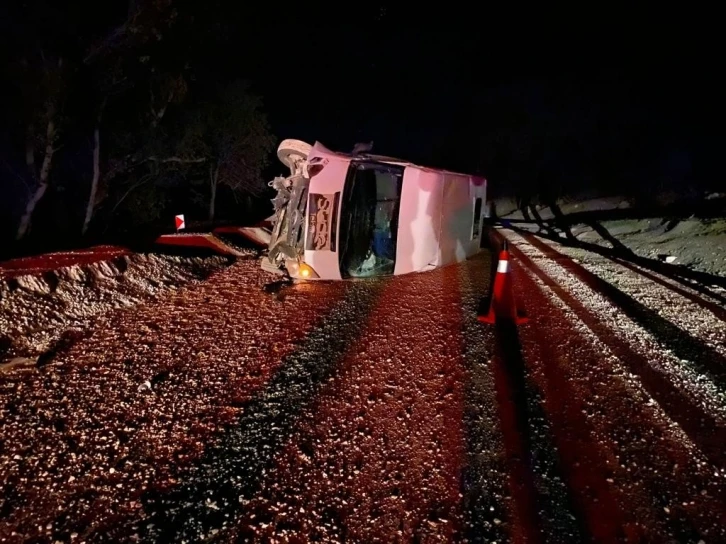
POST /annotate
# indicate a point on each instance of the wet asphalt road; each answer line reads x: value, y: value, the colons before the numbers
x: 380, y: 412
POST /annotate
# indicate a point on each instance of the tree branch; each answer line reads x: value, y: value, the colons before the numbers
x: 151, y: 101
x: 111, y: 40
x: 139, y: 183
x: 16, y: 175
x: 158, y: 115
x: 30, y: 158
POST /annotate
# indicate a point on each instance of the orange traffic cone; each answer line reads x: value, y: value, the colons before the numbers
x: 502, y: 305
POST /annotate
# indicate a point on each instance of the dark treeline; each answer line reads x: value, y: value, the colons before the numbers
x: 118, y: 115
x: 112, y: 125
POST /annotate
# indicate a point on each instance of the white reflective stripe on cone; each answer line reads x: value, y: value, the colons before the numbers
x: 503, y: 267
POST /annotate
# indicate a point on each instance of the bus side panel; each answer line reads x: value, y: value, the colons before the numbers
x: 462, y: 217
x: 419, y: 221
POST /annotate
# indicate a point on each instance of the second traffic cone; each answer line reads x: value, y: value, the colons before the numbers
x: 502, y: 305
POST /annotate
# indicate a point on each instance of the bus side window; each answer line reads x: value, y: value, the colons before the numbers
x: 476, y: 227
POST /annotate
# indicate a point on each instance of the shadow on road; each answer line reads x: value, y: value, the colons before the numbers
x: 702, y: 427
x: 541, y: 497
x: 232, y: 471
x: 702, y: 282
x: 706, y: 359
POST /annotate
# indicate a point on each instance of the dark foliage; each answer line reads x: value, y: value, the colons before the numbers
x: 623, y: 105
x: 112, y: 121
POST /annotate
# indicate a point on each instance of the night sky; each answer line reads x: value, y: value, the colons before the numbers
x: 611, y: 92
x: 431, y: 85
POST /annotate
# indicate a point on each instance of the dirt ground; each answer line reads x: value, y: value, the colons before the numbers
x: 201, y: 398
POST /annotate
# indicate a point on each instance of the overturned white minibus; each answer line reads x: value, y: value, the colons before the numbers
x: 341, y: 216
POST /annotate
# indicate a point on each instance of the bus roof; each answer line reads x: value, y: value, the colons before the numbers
x: 385, y: 159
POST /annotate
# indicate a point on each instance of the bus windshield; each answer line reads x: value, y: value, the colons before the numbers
x: 369, y: 219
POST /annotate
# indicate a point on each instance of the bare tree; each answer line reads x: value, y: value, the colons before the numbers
x: 231, y: 131
x: 121, y: 60
x: 92, y: 198
x: 42, y: 145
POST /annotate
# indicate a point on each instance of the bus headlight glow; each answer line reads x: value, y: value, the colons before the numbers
x: 300, y: 270
x: 305, y: 271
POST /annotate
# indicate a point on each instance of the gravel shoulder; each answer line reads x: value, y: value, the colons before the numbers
x: 41, y: 313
